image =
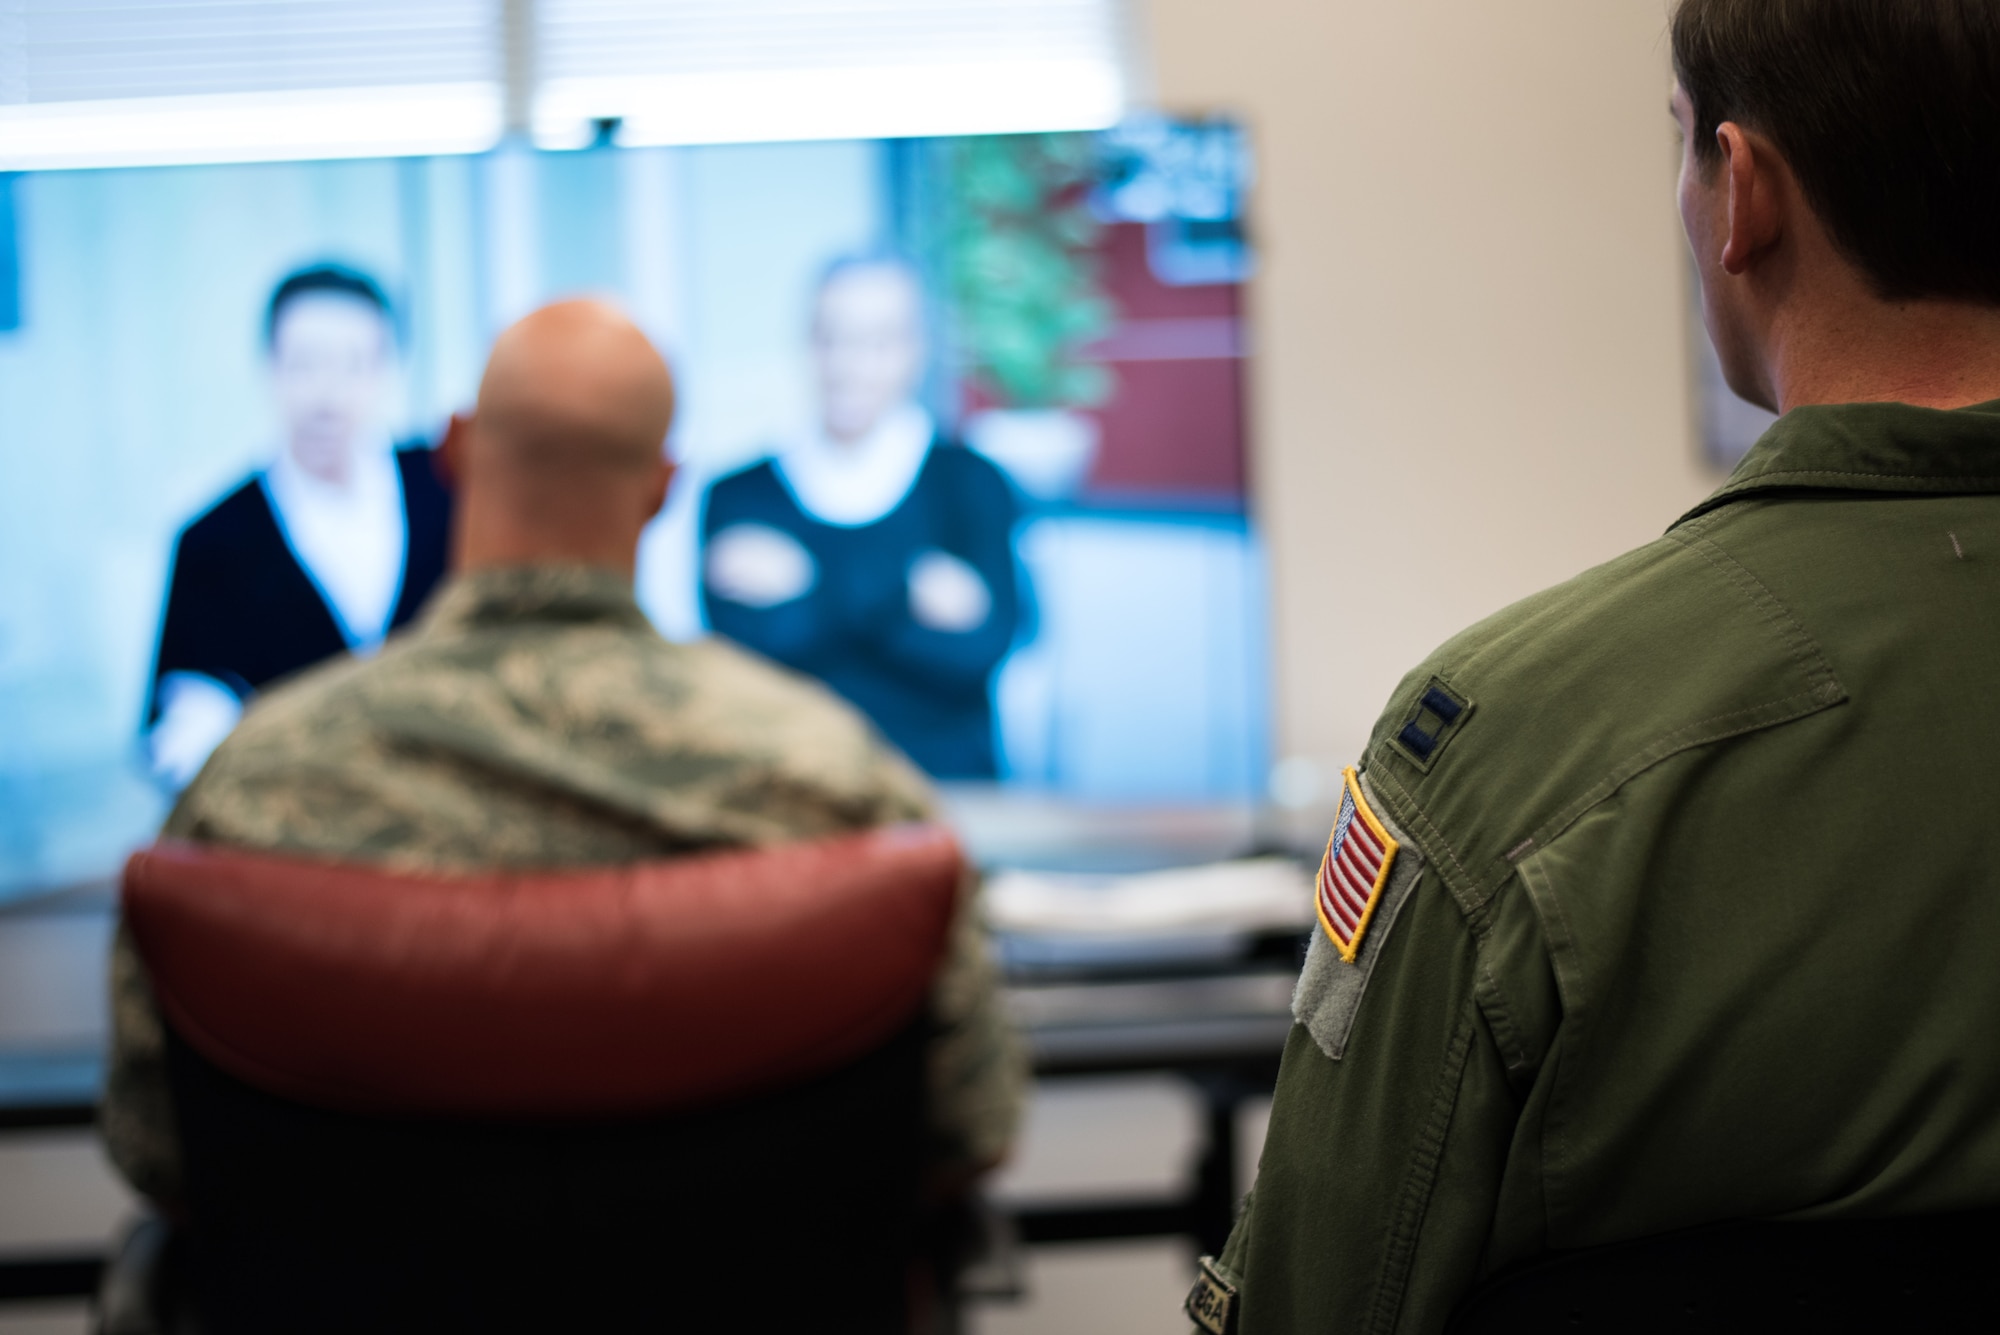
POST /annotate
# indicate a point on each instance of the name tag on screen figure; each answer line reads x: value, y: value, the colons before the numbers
x: 1354, y: 869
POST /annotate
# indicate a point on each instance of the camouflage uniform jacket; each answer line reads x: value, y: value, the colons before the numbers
x: 533, y: 718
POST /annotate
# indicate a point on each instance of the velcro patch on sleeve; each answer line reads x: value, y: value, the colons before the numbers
x: 1211, y: 1303
x: 1328, y: 996
x: 1359, y: 857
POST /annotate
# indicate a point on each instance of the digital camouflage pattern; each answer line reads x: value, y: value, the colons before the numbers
x: 1705, y: 908
x: 534, y: 718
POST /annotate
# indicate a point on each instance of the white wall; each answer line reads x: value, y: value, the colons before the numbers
x: 1470, y: 360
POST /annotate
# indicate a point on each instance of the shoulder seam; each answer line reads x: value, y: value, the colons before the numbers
x: 1381, y: 775
x: 1473, y: 891
x: 1753, y: 719
x: 1804, y: 649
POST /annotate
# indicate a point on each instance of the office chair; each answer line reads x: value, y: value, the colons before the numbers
x: 1921, y: 1273
x: 677, y: 1095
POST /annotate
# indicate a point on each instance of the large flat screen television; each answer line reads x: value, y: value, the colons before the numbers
x: 218, y: 385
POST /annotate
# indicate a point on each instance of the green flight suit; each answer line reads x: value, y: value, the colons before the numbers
x: 1697, y: 911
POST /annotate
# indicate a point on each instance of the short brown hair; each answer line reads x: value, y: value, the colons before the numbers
x: 1888, y: 112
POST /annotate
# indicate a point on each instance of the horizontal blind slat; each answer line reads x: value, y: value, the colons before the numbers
x: 106, y: 50
x: 591, y: 38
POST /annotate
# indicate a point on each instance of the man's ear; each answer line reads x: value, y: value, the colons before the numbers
x: 658, y: 486
x: 449, y: 457
x: 1756, y: 207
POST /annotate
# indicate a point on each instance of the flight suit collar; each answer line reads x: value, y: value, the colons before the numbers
x: 510, y: 595
x: 1888, y: 448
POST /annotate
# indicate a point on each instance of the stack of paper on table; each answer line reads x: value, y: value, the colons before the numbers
x: 1250, y: 895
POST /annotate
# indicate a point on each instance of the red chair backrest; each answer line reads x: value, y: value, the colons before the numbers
x: 617, y: 990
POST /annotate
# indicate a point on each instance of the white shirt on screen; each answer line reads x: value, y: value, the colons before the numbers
x: 857, y: 482
x: 351, y: 540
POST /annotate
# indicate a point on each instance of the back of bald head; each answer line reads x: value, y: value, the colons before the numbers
x: 564, y: 458
x: 571, y: 391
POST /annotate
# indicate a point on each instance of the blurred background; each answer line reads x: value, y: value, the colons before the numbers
x: 1304, y: 333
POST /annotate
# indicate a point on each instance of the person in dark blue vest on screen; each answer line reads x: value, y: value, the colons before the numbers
x: 326, y: 551
x: 873, y: 552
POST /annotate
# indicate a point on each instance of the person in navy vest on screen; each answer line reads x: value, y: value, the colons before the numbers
x: 327, y: 550
x: 872, y: 551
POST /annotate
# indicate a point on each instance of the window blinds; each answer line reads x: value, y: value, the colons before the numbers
x: 703, y: 71
x: 122, y: 82
x: 95, y: 50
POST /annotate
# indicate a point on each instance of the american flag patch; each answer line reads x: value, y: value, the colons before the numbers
x: 1354, y: 870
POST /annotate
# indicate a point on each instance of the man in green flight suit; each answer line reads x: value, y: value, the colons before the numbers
x: 1671, y: 895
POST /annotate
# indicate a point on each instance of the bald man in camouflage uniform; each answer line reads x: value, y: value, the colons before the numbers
x: 535, y: 719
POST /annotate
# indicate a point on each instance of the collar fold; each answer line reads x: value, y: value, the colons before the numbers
x: 1870, y: 447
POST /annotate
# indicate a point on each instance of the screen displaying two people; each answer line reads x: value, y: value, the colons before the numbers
x: 961, y: 435
x: 961, y: 430
x: 874, y: 552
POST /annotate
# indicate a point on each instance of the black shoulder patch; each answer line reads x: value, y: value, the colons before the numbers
x: 1581, y: 688
x: 1436, y: 717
